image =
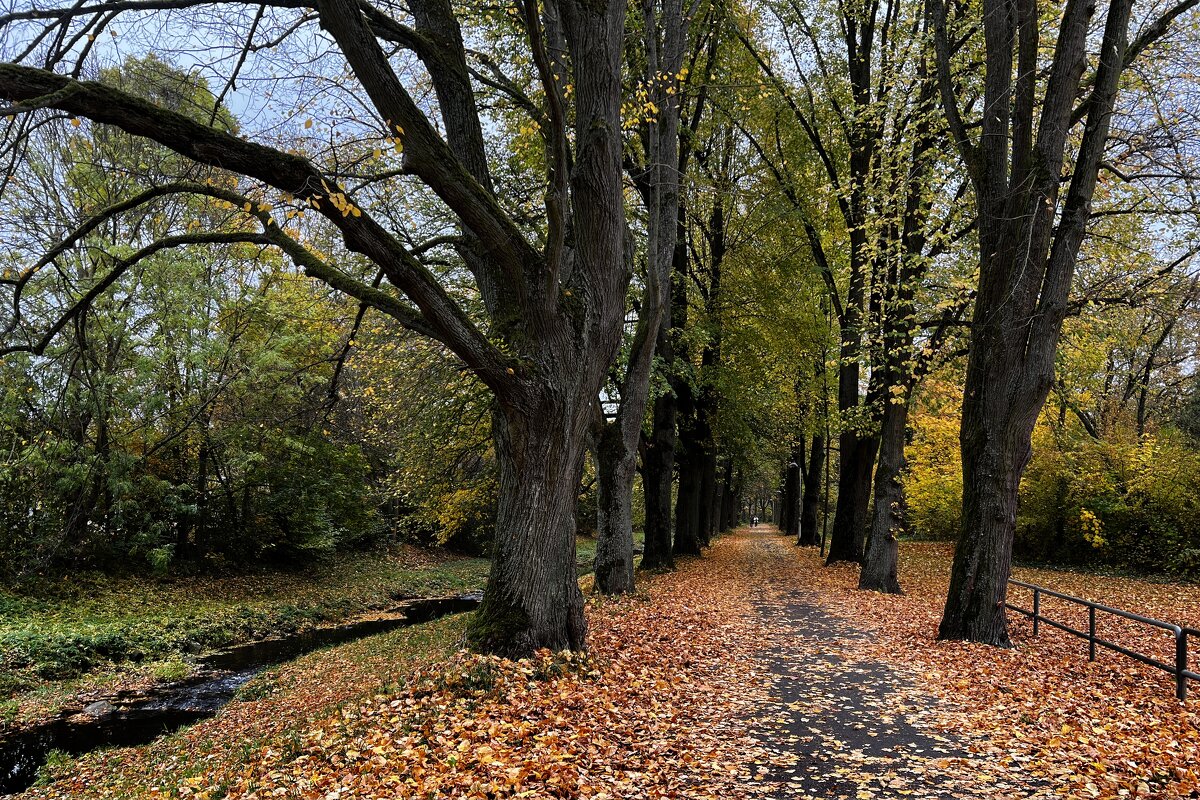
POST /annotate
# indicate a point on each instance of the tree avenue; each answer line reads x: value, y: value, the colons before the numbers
x: 283, y: 278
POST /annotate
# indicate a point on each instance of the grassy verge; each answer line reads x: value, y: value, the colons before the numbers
x: 92, y: 632
x: 267, y: 719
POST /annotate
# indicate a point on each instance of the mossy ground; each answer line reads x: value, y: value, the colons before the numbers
x: 93, y: 632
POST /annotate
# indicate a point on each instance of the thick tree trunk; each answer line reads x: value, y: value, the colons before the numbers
x: 616, y: 465
x: 541, y: 427
x: 1029, y: 243
x: 856, y: 461
x: 726, y: 504
x: 687, y: 502
x: 880, y: 564
x: 992, y: 467
x: 812, y: 493
x: 791, y: 491
x: 658, y: 463
x: 707, y: 521
x: 532, y: 599
x: 618, y: 444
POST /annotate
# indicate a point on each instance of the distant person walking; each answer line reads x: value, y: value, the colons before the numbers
x: 754, y: 522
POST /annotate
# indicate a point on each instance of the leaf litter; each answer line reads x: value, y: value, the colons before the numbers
x: 753, y: 672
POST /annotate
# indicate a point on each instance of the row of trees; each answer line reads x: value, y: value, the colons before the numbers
x: 600, y: 235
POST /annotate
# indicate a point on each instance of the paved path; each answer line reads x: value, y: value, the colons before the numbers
x: 837, y: 727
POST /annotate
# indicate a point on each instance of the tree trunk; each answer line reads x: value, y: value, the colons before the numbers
x: 791, y: 491
x: 616, y: 465
x: 687, y: 502
x: 1029, y: 246
x: 726, y: 506
x: 880, y: 565
x: 618, y: 444
x: 532, y: 599
x: 992, y: 467
x: 707, y: 521
x: 856, y: 460
x: 658, y: 463
x: 812, y: 493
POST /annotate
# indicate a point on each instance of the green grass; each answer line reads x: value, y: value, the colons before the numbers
x: 270, y: 714
x: 93, y: 630
x: 585, y: 550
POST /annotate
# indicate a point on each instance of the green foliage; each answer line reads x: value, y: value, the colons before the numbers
x: 1120, y: 502
x: 181, y: 423
x: 1128, y: 503
x: 425, y: 428
x: 65, y: 627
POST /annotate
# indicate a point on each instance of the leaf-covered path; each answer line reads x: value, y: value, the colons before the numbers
x: 754, y: 672
x: 837, y: 726
x: 864, y: 702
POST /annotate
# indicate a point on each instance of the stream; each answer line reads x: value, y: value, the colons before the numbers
x: 132, y: 718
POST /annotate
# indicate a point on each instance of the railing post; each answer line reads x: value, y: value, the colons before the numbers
x: 1181, y: 663
x: 1091, y: 633
x: 1037, y: 613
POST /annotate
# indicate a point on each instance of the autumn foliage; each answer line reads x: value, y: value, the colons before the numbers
x: 676, y: 699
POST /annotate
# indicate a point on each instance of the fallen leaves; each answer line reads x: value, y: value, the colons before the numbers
x: 1108, y: 729
x: 753, y: 672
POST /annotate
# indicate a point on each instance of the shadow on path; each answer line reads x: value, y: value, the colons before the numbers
x: 837, y: 727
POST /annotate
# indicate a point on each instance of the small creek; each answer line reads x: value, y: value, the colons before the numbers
x: 133, y: 718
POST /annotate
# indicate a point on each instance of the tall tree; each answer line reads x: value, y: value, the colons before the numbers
x: 664, y: 38
x: 1028, y: 148
x: 553, y: 295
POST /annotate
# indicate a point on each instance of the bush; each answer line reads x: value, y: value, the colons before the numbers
x: 1125, y: 502
x: 933, y: 481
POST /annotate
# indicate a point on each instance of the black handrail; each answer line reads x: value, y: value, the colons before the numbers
x: 1179, y: 669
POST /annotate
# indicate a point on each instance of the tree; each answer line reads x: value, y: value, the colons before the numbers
x: 661, y: 453
x: 1026, y: 150
x: 617, y: 440
x: 553, y: 295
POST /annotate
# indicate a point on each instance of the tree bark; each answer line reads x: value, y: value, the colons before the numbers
x: 618, y: 443
x: 532, y: 599
x: 1027, y: 256
x: 726, y: 505
x: 706, y: 516
x: 881, y: 562
x: 689, y: 458
x: 812, y: 493
x: 792, y: 490
x: 616, y: 465
x: 658, y: 463
x: 856, y: 461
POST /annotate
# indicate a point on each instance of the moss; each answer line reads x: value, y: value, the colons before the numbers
x: 499, y: 629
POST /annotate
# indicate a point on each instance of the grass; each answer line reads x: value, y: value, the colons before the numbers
x: 91, y: 632
x: 268, y: 716
x: 585, y: 549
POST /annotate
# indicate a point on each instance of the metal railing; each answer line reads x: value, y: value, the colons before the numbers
x: 1179, y: 669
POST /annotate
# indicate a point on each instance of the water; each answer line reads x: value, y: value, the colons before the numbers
x: 126, y: 720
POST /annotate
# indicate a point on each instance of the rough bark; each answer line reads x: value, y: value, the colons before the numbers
x: 706, y: 517
x: 809, y: 536
x: 855, y: 463
x: 881, y: 562
x: 658, y: 464
x: 618, y: 446
x: 615, y: 466
x: 1027, y: 256
x: 532, y: 598
x: 791, y: 492
x: 726, y: 507
x: 689, y: 457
